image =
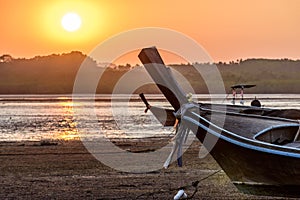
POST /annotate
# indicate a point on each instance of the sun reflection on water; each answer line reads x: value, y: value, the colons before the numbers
x: 67, y: 126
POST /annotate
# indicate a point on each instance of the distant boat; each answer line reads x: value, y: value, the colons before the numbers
x: 242, y: 87
x: 259, y: 153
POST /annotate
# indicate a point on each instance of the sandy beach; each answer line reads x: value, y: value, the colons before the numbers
x: 66, y: 170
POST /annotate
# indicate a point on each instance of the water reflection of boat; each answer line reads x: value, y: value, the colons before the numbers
x: 259, y: 152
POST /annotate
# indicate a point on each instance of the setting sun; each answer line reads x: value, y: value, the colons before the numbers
x: 72, y: 24
x: 71, y: 21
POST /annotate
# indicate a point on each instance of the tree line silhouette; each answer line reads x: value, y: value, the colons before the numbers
x: 56, y: 73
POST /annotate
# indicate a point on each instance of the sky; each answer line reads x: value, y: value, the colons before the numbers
x: 227, y: 30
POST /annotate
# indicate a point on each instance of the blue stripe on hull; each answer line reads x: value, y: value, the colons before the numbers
x: 244, y: 145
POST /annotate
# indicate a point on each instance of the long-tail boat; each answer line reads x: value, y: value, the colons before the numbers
x: 258, y: 148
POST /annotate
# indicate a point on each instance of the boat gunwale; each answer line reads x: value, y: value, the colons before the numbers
x: 247, y: 115
x: 274, y: 127
x: 242, y: 137
x: 249, y: 143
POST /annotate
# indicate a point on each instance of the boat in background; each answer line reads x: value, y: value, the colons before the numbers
x: 241, y: 87
x: 259, y: 151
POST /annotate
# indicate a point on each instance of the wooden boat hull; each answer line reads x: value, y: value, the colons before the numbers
x: 253, y: 168
x: 259, y: 173
x: 260, y: 154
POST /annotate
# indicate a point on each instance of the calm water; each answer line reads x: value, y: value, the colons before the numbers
x: 40, y: 117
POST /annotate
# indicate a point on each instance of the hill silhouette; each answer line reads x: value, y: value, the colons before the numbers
x: 56, y: 73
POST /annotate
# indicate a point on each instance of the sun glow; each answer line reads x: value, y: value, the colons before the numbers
x: 73, y: 24
x: 71, y: 21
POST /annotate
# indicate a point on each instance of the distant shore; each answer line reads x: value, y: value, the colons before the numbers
x: 56, y: 74
x: 66, y: 170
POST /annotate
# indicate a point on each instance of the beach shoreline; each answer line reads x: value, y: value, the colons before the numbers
x: 64, y: 169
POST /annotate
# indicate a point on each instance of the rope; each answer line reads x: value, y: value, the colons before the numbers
x: 182, y: 132
x: 194, y: 185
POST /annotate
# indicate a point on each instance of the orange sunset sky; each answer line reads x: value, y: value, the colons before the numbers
x: 228, y: 30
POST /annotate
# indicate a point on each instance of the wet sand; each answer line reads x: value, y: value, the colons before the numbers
x: 66, y: 170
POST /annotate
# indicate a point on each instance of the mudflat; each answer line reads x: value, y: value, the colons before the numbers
x: 66, y: 170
